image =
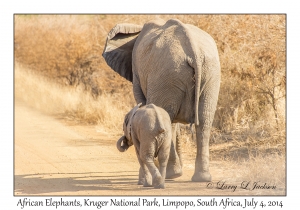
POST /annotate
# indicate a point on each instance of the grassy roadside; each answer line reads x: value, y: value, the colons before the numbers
x: 68, y: 102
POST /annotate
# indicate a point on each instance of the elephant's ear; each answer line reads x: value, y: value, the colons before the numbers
x: 118, y: 49
x: 132, y: 112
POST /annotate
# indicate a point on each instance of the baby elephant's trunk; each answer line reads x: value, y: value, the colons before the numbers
x: 122, y: 144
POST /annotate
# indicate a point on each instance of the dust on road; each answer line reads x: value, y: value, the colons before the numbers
x: 54, y: 158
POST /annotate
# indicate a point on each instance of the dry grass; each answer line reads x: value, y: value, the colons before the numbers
x: 69, y: 103
x: 269, y: 169
x: 68, y: 50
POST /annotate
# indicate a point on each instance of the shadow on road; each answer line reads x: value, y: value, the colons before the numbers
x: 119, y: 183
x: 47, y: 183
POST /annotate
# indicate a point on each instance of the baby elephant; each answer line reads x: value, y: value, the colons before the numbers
x: 149, y: 129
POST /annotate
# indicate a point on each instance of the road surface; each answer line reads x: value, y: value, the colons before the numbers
x: 53, y: 157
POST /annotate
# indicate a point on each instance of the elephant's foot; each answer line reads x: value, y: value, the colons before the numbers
x: 141, y: 181
x: 173, y: 170
x: 158, y: 182
x: 201, y: 177
x: 148, y: 183
x: 160, y: 186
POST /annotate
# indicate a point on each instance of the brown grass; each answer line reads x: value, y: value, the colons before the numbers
x: 75, y: 104
x: 269, y: 169
x: 262, y: 169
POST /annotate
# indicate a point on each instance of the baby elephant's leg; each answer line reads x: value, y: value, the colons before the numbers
x: 147, y: 157
x: 144, y: 175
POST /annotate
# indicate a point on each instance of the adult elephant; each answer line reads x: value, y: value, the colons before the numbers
x: 174, y: 66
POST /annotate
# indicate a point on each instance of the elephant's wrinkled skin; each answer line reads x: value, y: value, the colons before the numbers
x: 174, y: 66
x: 149, y: 129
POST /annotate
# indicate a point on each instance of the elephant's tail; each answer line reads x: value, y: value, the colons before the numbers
x: 195, y: 64
x: 161, y: 127
x: 197, y: 92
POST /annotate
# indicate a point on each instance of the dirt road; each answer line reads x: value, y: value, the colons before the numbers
x: 55, y: 158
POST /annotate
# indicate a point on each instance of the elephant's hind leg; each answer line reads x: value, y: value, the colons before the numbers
x: 141, y: 177
x: 207, y: 107
x: 147, y: 157
x: 145, y: 178
x: 174, y: 168
x: 163, y: 157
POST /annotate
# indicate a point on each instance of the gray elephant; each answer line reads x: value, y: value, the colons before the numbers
x: 174, y: 66
x: 149, y: 129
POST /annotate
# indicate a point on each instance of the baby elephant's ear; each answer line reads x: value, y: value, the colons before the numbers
x: 122, y: 144
x: 130, y: 116
x: 133, y: 111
